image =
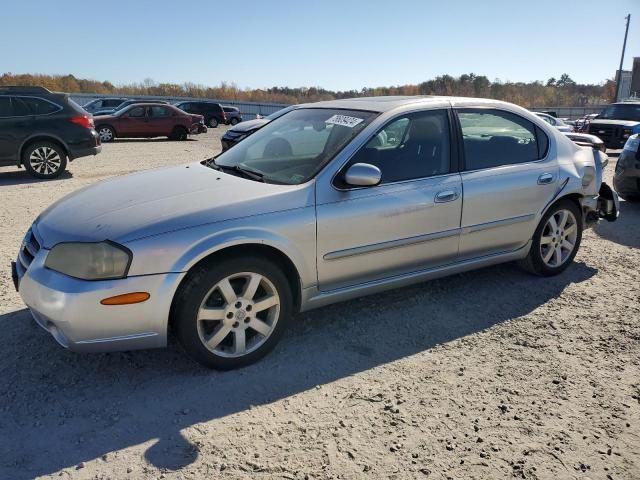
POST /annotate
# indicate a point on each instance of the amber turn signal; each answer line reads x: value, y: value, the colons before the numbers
x: 126, y: 299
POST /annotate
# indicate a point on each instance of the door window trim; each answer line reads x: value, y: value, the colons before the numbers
x: 460, y: 139
x: 454, y: 156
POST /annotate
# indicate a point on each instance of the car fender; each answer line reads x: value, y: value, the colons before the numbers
x: 292, y: 233
x: 43, y: 136
x: 248, y: 236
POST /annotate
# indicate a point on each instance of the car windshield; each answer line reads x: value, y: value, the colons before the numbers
x: 294, y: 147
x: 621, y: 112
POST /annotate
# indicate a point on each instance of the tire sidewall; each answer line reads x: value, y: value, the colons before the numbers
x: 213, y: 122
x: 27, y: 164
x: 233, y: 121
x: 190, y: 296
x: 535, y: 254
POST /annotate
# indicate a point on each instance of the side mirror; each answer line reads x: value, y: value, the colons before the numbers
x: 363, y: 175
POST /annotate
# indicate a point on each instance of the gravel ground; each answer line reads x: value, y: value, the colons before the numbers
x: 488, y: 374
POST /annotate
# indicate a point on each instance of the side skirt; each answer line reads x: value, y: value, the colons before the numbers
x: 314, y: 298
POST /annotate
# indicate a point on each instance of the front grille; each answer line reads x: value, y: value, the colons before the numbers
x: 609, y: 134
x: 28, y: 250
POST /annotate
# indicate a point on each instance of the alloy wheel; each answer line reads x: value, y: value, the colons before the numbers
x: 558, y: 240
x: 45, y: 160
x: 238, y: 314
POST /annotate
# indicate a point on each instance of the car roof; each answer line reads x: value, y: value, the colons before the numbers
x: 387, y: 103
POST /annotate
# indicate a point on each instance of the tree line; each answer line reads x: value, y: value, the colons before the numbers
x: 562, y: 91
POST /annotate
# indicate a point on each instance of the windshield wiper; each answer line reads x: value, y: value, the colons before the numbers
x: 248, y: 172
x: 242, y: 170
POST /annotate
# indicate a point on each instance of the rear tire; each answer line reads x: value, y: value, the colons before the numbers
x: 179, y: 133
x: 231, y: 313
x: 106, y: 133
x: 213, y: 122
x: 44, y: 160
x: 556, y: 240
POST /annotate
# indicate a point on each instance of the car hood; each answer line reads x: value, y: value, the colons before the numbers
x: 623, y: 123
x: 158, y: 201
x: 249, y: 125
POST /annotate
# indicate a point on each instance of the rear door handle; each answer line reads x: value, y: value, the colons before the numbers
x: 545, y: 179
x: 446, y: 196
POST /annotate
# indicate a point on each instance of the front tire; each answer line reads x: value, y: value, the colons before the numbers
x: 44, y: 160
x: 233, y: 121
x: 232, y: 313
x: 556, y: 240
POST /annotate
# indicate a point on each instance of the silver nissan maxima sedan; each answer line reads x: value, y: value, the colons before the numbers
x: 330, y: 201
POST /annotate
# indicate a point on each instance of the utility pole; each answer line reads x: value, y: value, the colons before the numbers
x: 624, y: 46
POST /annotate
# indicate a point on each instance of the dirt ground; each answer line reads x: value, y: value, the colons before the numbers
x: 489, y: 374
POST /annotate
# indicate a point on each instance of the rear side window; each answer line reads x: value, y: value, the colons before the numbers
x: 412, y: 146
x: 5, y: 107
x: 160, y: 112
x: 25, y: 106
x: 493, y: 137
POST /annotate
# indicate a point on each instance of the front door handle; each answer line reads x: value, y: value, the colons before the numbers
x: 545, y: 179
x: 446, y: 196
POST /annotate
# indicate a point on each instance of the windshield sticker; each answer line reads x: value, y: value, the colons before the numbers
x: 344, y: 120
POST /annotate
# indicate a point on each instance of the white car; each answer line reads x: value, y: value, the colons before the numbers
x: 556, y: 122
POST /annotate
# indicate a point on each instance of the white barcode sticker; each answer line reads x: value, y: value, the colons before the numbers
x: 344, y: 120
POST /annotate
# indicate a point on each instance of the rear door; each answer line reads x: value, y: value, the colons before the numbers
x: 8, y: 142
x: 508, y: 178
x: 161, y: 120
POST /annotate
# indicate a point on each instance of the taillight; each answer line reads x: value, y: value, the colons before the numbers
x: 224, y: 115
x: 85, y: 121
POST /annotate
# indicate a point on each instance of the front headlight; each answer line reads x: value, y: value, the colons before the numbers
x: 90, y: 261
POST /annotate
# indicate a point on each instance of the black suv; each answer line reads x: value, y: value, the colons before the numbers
x: 40, y: 130
x: 213, y: 113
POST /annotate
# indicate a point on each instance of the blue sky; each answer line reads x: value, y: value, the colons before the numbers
x: 336, y: 44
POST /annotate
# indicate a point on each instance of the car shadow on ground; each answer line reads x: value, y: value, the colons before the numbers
x: 78, y: 407
x: 626, y: 229
x: 22, y: 177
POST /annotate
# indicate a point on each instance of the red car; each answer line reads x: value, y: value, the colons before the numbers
x: 146, y: 120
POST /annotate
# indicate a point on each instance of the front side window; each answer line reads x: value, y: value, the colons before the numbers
x: 111, y: 103
x: 295, y: 146
x: 493, y: 137
x: 413, y: 146
x: 136, y: 112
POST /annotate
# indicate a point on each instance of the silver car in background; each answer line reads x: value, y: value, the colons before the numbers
x: 328, y: 202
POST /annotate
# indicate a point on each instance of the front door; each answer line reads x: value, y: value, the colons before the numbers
x: 133, y: 123
x: 507, y: 180
x: 409, y: 222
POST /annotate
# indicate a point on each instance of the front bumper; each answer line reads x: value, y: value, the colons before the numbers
x: 70, y: 310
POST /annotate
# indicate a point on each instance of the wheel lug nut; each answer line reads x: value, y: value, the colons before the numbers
x: 248, y: 309
x: 229, y: 315
x: 247, y: 320
x: 235, y: 324
x: 238, y: 304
